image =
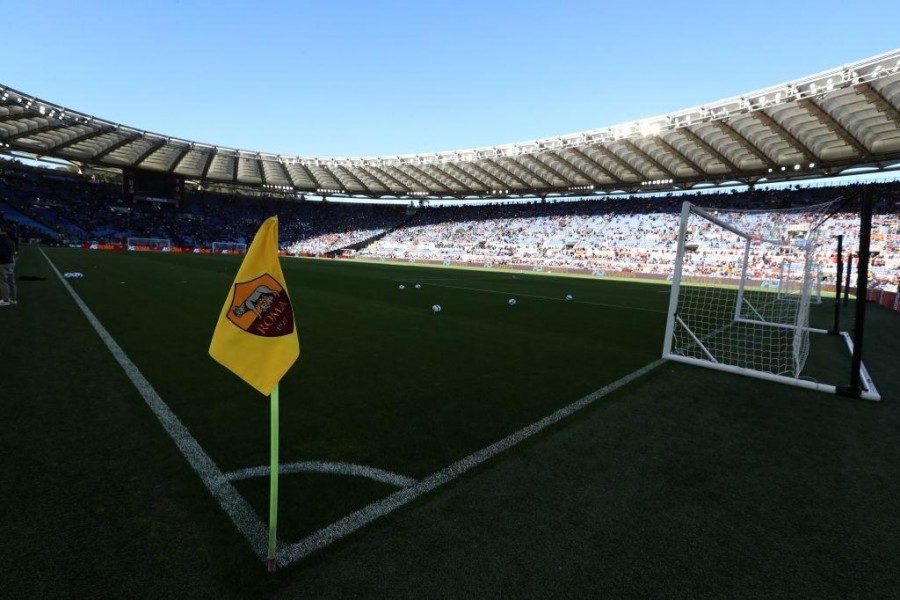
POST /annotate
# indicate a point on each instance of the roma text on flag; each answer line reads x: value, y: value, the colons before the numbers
x: 255, y: 337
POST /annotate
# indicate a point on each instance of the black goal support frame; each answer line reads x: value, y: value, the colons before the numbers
x: 863, y: 255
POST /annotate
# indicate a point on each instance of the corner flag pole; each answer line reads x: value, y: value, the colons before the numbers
x: 273, y: 482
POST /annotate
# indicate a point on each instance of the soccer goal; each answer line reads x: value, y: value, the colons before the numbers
x: 724, y: 312
x: 229, y: 248
x: 145, y: 243
x: 791, y: 278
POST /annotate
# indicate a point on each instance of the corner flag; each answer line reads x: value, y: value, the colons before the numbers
x: 255, y: 337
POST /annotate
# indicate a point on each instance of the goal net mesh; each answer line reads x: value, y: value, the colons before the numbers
x: 732, y: 301
x: 149, y: 243
x: 229, y: 248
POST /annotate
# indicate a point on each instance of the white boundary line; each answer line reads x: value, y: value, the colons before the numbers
x: 234, y: 505
x: 332, y: 468
x: 240, y: 512
x: 356, y: 520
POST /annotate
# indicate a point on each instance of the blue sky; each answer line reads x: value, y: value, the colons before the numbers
x: 344, y: 78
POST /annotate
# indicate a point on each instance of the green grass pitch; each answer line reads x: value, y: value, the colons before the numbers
x: 683, y: 473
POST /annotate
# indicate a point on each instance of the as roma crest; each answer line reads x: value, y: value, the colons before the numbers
x: 262, y: 307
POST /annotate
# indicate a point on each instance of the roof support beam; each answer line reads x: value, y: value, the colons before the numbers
x: 387, y: 174
x: 488, y: 174
x: 484, y: 187
x: 310, y: 175
x: 234, y: 167
x: 209, y: 162
x: 637, y: 150
x: 178, y: 158
x: 121, y: 143
x: 377, y: 177
x: 353, y: 176
x: 77, y: 140
x: 35, y: 131
x: 832, y: 124
x: 764, y: 118
x: 399, y: 175
x: 524, y: 164
x: 515, y: 177
x: 688, y: 133
x: 159, y: 143
x: 880, y: 102
x: 578, y: 152
x: 534, y: 157
x: 414, y: 178
x: 286, y: 173
x: 24, y: 114
x: 732, y: 133
x: 683, y: 157
x: 439, y: 167
x: 262, y: 171
x: 616, y: 159
x: 572, y: 166
x: 422, y: 173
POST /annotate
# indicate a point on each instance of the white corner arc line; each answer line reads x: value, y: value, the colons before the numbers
x: 234, y: 505
x: 354, y: 521
x: 332, y: 468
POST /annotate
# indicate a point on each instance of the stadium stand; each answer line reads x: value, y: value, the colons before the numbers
x: 622, y: 236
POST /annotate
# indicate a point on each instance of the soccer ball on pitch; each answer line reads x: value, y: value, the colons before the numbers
x: 402, y: 287
x: 436, y: 308
x: 569, y: 297
x: 418, y: 286
x: 512, y: 301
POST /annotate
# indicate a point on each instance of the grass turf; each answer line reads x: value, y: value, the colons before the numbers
x: 705, y: 466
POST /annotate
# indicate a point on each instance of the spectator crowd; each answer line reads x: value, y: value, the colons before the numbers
x: 636, y: 235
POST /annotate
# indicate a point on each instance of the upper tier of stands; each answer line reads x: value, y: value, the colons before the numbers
x: 621, y: 235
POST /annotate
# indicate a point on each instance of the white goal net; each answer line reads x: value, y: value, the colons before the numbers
x: 792, y: 276
x: 741, y: 291
x: 229, y: 248
x: 149, y: 243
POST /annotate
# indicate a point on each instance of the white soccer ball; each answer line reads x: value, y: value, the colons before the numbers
x: 569, y: 297
x: 512, y: 301
x: 418, y: 286
x: 402, y: 287
x: 436, y: 308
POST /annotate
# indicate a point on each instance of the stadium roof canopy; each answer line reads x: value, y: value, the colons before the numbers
x: 821, y: 125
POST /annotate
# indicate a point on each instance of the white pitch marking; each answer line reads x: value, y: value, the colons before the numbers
x: 234, y: 505
x: 603, y: 304
x: 335, y: 468
x: 354, y: 521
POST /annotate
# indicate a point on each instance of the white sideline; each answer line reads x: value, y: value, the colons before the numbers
x: 347, y: 525
x: 248, y: 522
x: 234, y: 505
x: 332, y: 468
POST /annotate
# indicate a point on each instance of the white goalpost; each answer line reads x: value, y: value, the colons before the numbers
x: 791, y: 279
x: 229, y: 248
x: 149, y: 243
x: 724, y: 311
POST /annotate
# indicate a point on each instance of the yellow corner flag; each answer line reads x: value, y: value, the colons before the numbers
x: 255, y: 337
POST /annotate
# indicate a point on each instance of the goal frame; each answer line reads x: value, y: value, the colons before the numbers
x: 241, y: 248
x: 867, y: 388
x: 785, y: 279
x: 164, y: 244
